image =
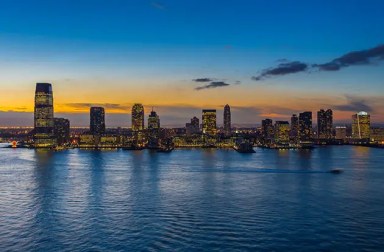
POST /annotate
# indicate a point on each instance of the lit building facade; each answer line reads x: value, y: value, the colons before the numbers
x: 324, y: 124
x: 153, y: 120
x: 97, y: 120
x: 44, y: 136
x: 137, y: 117
x: 305, y: 126
x: 227, y: 120
x: 282, y: 130
x: 209, y: 121
x: 62, y: 131
x: 340, y: 132
x: 361, y: 125
x: 294, y: 133
x: 153, y: 130
x: 267, y: 130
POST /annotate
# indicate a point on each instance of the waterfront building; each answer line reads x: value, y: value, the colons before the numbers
x: 267, y: 131
x: 324, y: 124
x: 153, y: 130
x: 294, y: 133
x: 193, y: 127
x: 305, y: 126
x: 153, y: 120
x: 361, y: 125
x: 209, y: 121
x: 227, y: 120
x: 44, y: 136
x: 340, y: 133
x: 62, y: 131
x: 137, y: 117
x: 377, y: 135
x: 282, y: 130
x: 97, y: 120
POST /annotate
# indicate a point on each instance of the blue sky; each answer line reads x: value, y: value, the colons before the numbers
x: 126, y: 46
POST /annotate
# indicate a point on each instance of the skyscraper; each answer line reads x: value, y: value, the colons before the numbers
x: 341, y: 133
x: 209, y: 121
x: 282, y: 132
x: 305, y: 126
x: 294, y: 133
x: 324, y: 124
x: 361, y: 125
x: 227, y: 120
x: 62, y: 131
x: 153, y: 120
x: 137, y: 117
x: 97, y: 120
x: 193, y: 127
x: 267, y: 130
x: 43, y: 117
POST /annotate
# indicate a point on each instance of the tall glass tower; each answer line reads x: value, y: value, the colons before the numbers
x: 97, y: 120
x: 44, y: 136
x: 137, y: 117
x: 227, y: 120
x: 209, y: 121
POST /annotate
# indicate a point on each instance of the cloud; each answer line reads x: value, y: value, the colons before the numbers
x: 363, y: 57
x: 203, y: 80
x: 158, y: 5
x: 213, y: 84
x: 355, y: 104
x: 282, y: 69
x: 82, y: 106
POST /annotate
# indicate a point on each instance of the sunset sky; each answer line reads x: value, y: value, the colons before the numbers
x: 265, y: 58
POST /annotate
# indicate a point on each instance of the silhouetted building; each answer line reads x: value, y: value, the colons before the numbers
x: 44, y: 136
x: 340, y: 133
x: 97, y: 120
x: 62, y: 131
x: 324, y: 124
x: 209, y: 121
x: 305, y: 126
x: 153, y: 120
x: 282, y: 130
x: 267, y: 130
x: 377, y: 135
x: 137, y: 117
x: 294, y: 133
x: 227, y: 120
x: 193, y: 127
x: 361, y: 125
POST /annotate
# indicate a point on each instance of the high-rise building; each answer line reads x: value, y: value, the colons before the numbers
x: 324, y: 124
x: 227, y: 120
x: 340, y: 132
x: 209, y: 121
x: 282, y: 132
x: 305, y: 126
x: 44, y: 136
x: 153, y: 120
x: 267, y: 130
x: 61, y: 129
x: 294, y: 133
x: 193, y: 127
x: 97, y: 120
x: 361, y: 125
x: 137, y: 117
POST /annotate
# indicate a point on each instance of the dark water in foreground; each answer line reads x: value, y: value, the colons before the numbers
x: 79, y: 200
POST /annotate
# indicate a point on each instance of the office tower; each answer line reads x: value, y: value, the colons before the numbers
x: 282, y: 130
x: 137, y: 117
x: 324, y: 124
x: 193, y: 127
x: 341, y: 132
x: 44, y: 136
x: 61, y: 130
x: 294, y: 133
x: 227, y: 120
x: 97, y: 120
x: 209, y: 121
x: 153, y: 120
x: 361, y: 125
x: 305, y: 126
x: 267, y: 130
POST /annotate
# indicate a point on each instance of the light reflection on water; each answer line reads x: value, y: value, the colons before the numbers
x: 78, y: 200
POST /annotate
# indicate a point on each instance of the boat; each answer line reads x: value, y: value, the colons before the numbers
x: 244, y: 147
x: 165, y: 149
x: 336, y: 171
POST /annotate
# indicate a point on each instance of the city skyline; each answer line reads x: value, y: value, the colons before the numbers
x: 247, y: 59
